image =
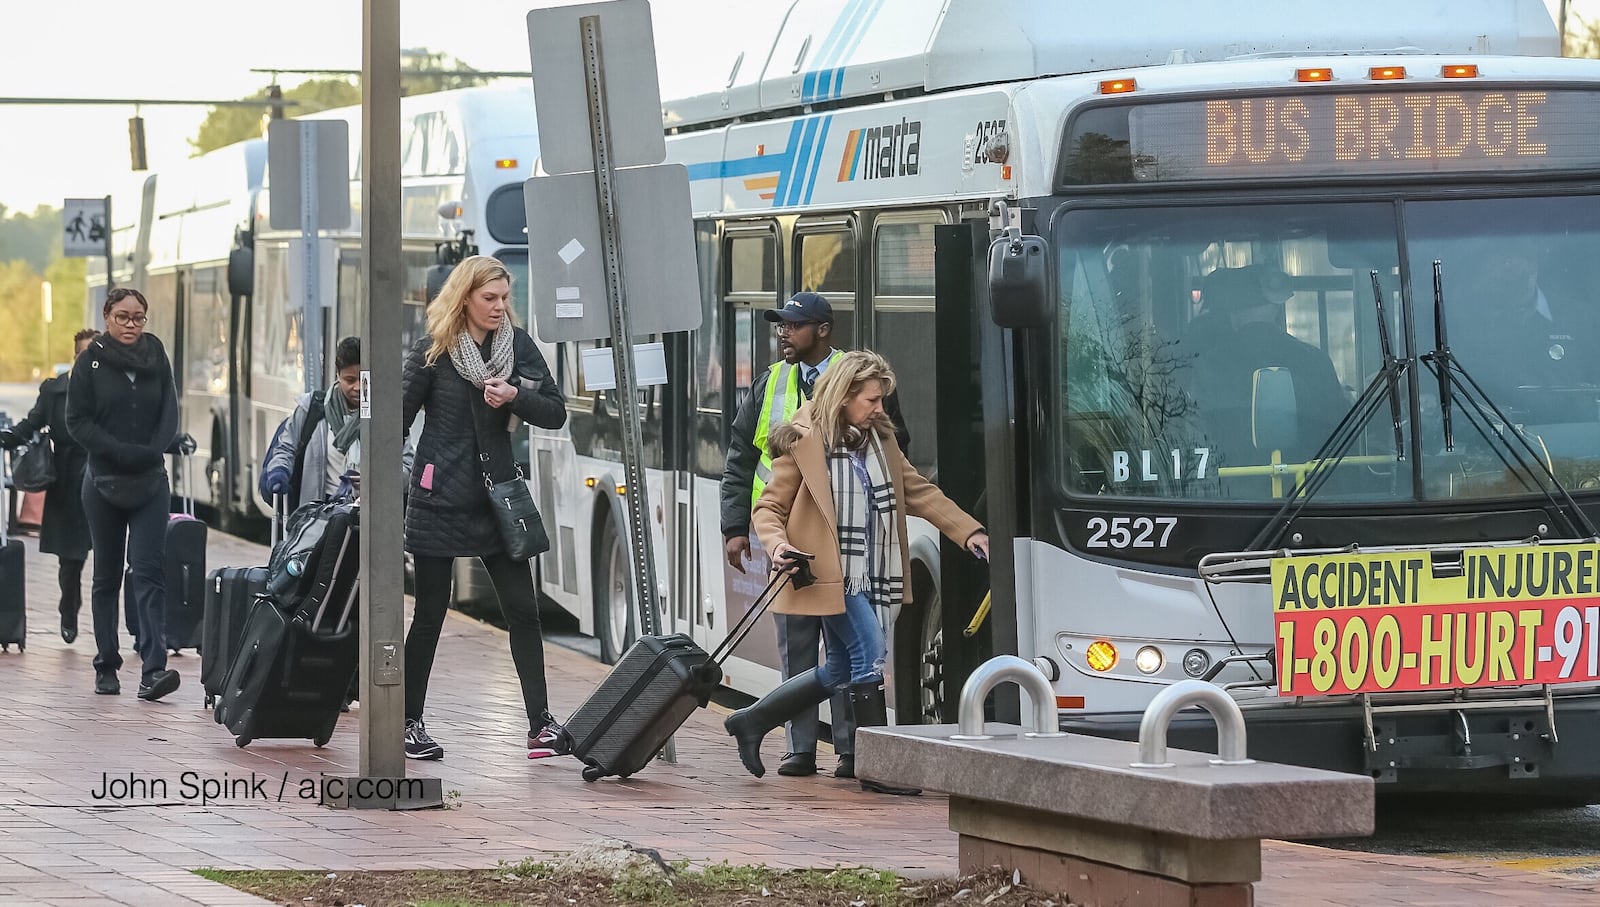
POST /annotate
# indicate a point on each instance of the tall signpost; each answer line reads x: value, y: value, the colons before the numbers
x: 602, y: 142
x: 381, y: 782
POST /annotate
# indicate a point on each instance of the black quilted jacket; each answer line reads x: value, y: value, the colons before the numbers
x: 452, y: 518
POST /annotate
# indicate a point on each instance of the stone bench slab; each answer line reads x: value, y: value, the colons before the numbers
x: 1093, y: 778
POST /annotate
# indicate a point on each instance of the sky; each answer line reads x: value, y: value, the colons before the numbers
x: 204, y: 50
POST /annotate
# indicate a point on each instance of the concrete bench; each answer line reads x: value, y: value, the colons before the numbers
x: 1111, y: 822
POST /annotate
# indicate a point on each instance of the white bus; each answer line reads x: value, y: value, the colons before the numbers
x: 1176, y: 162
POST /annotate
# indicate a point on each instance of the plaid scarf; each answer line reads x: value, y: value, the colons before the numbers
x: 869, y: 546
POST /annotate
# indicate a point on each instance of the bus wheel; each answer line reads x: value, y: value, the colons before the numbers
x: 217, y: 480
x: 613, y: 595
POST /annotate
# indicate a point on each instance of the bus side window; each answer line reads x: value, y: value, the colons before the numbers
x: 903, y: 323
x: 827, y: 265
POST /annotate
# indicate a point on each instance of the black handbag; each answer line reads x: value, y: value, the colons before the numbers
x: 521, y: 528
x: 34, y: 468
x: 130, y: 492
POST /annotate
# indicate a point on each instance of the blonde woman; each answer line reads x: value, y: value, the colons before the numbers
x: 840, y: 493
x: 473, y: 357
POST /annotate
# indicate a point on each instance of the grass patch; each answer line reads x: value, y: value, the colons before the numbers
x: 534, y: 882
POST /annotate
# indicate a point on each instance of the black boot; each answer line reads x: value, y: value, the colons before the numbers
x: 750, y: 725
x: 866, y: 699
x: 70, y: 575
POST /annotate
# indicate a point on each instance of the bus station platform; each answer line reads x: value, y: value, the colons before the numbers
x: 103, y: 799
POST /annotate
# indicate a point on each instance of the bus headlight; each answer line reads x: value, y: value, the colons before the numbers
x: 1101, y: 655
x: 1149, y: 660
x: 1196, y: 662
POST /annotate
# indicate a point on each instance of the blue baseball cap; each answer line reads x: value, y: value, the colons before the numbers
x: 803, y: 307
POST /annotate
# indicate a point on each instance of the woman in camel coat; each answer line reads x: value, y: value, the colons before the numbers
x: 840, y: 492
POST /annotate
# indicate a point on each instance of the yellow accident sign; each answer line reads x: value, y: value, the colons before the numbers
x: 1391, y: 622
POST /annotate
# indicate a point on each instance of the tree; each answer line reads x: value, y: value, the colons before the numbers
x: 226, y: 125
x: 26, y: 356
x: 1583, y: 37
x: 31, y: 238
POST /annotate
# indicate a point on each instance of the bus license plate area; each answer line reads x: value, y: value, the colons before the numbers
x: 1460, y: 740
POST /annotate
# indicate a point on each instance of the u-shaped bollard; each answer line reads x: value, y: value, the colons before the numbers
x: 1223, y: 710
x: 998, y: 670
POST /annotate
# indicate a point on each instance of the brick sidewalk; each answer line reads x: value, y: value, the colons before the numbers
x: 59, y: 844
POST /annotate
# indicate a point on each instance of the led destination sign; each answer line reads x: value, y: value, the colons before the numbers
x: 1326, y: 134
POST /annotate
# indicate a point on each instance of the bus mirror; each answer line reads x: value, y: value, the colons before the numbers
x: 437, y: 275
x: 1274, y: 414
x: 1019, y: 287
x: 241, y: 271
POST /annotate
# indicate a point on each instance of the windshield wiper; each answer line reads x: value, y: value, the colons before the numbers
x: 1386, y: 383
x: 1453, y: 377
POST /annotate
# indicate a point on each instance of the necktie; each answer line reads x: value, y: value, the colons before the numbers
x: 808, y: 380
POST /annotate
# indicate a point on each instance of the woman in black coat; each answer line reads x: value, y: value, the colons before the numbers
x: 65, y: 531
x: 473, y: 357
x: 122, y: 407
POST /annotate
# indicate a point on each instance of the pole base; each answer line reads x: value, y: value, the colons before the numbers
x: 357, y: 792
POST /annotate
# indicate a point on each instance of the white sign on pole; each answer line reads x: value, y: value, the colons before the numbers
x: 560, y: 81
x: 308, y: 166
x: 566, y: 258
x: 84, y: 222
x: 600, y: 368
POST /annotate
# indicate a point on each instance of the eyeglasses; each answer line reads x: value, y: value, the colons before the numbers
x: 127, y: 319
x: 788, y: 327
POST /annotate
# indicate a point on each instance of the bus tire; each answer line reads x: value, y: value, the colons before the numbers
x: 219, y: 480
x: 614, y: 623
x: 917, y: 635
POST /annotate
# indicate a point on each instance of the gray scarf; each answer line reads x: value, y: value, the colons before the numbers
x: 468, y: 357
x: 345, y: 429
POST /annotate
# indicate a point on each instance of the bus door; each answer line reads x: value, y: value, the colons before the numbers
x: 732, y: 349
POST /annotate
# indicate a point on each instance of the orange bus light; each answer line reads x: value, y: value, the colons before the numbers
x: 1313, y: 75
x: 1118, y: 86
x: 1464, y: 71
x: 1386, y: 73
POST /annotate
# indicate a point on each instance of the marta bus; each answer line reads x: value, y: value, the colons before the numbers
x: 1201, y: 376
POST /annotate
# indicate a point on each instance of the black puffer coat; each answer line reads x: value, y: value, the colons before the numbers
x: 452, y: 518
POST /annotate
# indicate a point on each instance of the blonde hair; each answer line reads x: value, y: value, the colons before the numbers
x: 844, y: 379
x: 447, y: 314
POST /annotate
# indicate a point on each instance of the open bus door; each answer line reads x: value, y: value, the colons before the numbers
x: 933, y: 636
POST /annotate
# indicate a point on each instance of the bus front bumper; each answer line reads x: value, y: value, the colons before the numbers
x: 1523, y: 745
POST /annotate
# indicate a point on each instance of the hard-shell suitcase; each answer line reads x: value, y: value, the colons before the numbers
x: 654, y: 688
x: 295, y: 664
x: 184, y: 571
x: 230, y: 591
x: 13, y: 588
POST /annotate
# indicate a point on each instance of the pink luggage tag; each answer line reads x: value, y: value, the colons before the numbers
x: 427, y: 477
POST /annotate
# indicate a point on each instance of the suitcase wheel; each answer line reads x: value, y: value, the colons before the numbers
x: 242, y: 741
x: 211, y: 701
x: 322, y: 741
x: 6, y: 647
x: 593, y: 773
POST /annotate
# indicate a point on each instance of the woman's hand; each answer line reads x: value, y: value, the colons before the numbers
x: 497, y: 392
x: 781, y: 563
x: 978, y: 544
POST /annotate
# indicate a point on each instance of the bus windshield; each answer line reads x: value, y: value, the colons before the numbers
x: 1208, y: 352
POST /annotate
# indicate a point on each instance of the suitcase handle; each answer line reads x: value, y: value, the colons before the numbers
x: 801, y: 578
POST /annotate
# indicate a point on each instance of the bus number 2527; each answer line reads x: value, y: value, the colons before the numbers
x: 1131, y: 532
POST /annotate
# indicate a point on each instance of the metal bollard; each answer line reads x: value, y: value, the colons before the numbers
x: 1223, y: 710
x: 998, y: 670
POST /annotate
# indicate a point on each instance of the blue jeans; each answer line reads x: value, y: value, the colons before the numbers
x: 854, y: 641
x: 141, y: 535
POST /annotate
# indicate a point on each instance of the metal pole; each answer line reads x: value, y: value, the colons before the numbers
x: 311, y: 342
x: 383, y: 593
x: 621, y: 337
x: 1563, y: 27
x: 111, y: 272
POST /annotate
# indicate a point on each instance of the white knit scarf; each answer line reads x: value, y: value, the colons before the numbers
x: 467, y: 356
x: 869, y: 545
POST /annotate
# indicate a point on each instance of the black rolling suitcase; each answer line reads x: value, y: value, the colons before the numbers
x: 653, y: 689
x: 13, y: 588
x: 298, y: 654
x: 185, y: 571
x: 230, y: 592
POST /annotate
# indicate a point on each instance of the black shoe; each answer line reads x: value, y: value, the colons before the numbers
x: 69, y: 628
x: 418, y: 744
x: 106, y: 683
x: 873, y: 787
x: 159, y: 685
x: 847, y: 766
x: 798, y: 765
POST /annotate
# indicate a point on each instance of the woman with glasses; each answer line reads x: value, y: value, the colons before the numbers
x: 122, y: 407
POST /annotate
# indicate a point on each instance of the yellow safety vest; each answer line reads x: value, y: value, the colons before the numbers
x: 784, y: 379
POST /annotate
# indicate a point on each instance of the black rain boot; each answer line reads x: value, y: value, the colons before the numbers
x: 749, y: 726
x: 70, y: 575
x: 866, y: 700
